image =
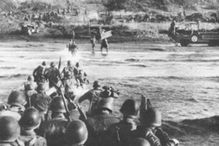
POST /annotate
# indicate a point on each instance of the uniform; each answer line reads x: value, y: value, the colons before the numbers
x: 98, y: 126
x: 93, y: 96
x: 30, y: 121
x: 39, y: 74
x: 104, y: 44
x: 41, y: 102
x: 54, y: 130
x: 53, y: 76
x: 148, y: 135
x: 122, y: 132
x: 31, y: 139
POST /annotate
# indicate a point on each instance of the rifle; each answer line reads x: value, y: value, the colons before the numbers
x: 64, y: 101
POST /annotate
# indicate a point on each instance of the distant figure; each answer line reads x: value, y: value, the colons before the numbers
x: 104, y: 44
x: 73, y: 33
x: 72, y: 47
x: 39, y: 73
x: 93, y: 43
x: 53, y: 75
x: 172, y: 29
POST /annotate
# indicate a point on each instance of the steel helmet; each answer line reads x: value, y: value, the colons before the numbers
x: 129, y: 107
x: 57, y: 105
x: 76, y: 133
x: 140, y: 142
x: 31, y: 119
x: 151, y: 117
x: 41, y: 87
x: 96, y: 84
x: 10, y: 129
x: 43, y: 63
x: 69, y: 63
x: 106, y: 103
x: 16, y: 98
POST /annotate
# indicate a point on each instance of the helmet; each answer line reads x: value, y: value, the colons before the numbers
x: 129, y: 107
x: 52, y: 64
x: 41, y: 87
x: 57, y: 105
x: 10, y: 129
x: 77, y: 64
x: 151, y: 117
x: 43, y: 63
x: 96, y: 84
x: 30, y: 78
x: 16, y: 98
x: 30, y: 119
x: 76, y: 133
x: 69, y: 63
x: 106, y: 103
x: 140, y: 142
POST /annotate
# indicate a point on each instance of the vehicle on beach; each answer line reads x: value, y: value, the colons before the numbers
x: 191, y: 34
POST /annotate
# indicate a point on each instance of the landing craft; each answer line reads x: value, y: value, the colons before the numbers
x: 191, y: 33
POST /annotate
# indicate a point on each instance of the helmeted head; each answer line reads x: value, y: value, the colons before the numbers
x: 96, y: 84
x: 9, y: 129
x: 69, y: 63
x: 76, y: 133
x: 139, y: 142
x: 57, y: 105
x: 30, y: 78
x: 52, y: 64
x: 41, y: 88
x: 43, y: 63
x: 106, y: 104
x: 129, y: 108
x: 151, y: 118
x: 17, y: 98
x: 30, y: 119
x: 77, y: 64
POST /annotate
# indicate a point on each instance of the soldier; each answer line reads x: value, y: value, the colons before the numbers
x: 29, y: 90
x: 53, y: 75
x: 53, y: 130
x: 93, y: 43
x: 76, y: 133
x: 39, y: 73
x: 30, y: 121
x: 16, y: 105
x: 104, y: 44
x: 68, y: 74
x: 72, y: 47
x: 93, y: 96
x: 122, y: 131
x: 68, y: 71
x: 41, y: 101
x: 10, y: 132
x: 99, y: 123
x: 150, y: 129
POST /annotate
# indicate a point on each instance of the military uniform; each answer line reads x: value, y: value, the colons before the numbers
x: 93, y: 96
x: 54, y: 130
x: 122, y: 132
x: 31, y: 139
x: 39, y: 74
x: 41, y: 102
x: 53, y: 76
x: 148, y: 134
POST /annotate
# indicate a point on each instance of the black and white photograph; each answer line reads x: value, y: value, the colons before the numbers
x: 109, y: 72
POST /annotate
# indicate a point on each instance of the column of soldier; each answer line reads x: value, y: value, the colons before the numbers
x: 34, y: 118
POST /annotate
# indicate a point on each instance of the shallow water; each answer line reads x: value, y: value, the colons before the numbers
x: 182, y: 82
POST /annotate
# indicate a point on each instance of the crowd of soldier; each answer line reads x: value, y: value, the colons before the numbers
x: 35, y: 118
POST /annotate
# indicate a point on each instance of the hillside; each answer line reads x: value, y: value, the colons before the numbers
x: 137, y: 18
